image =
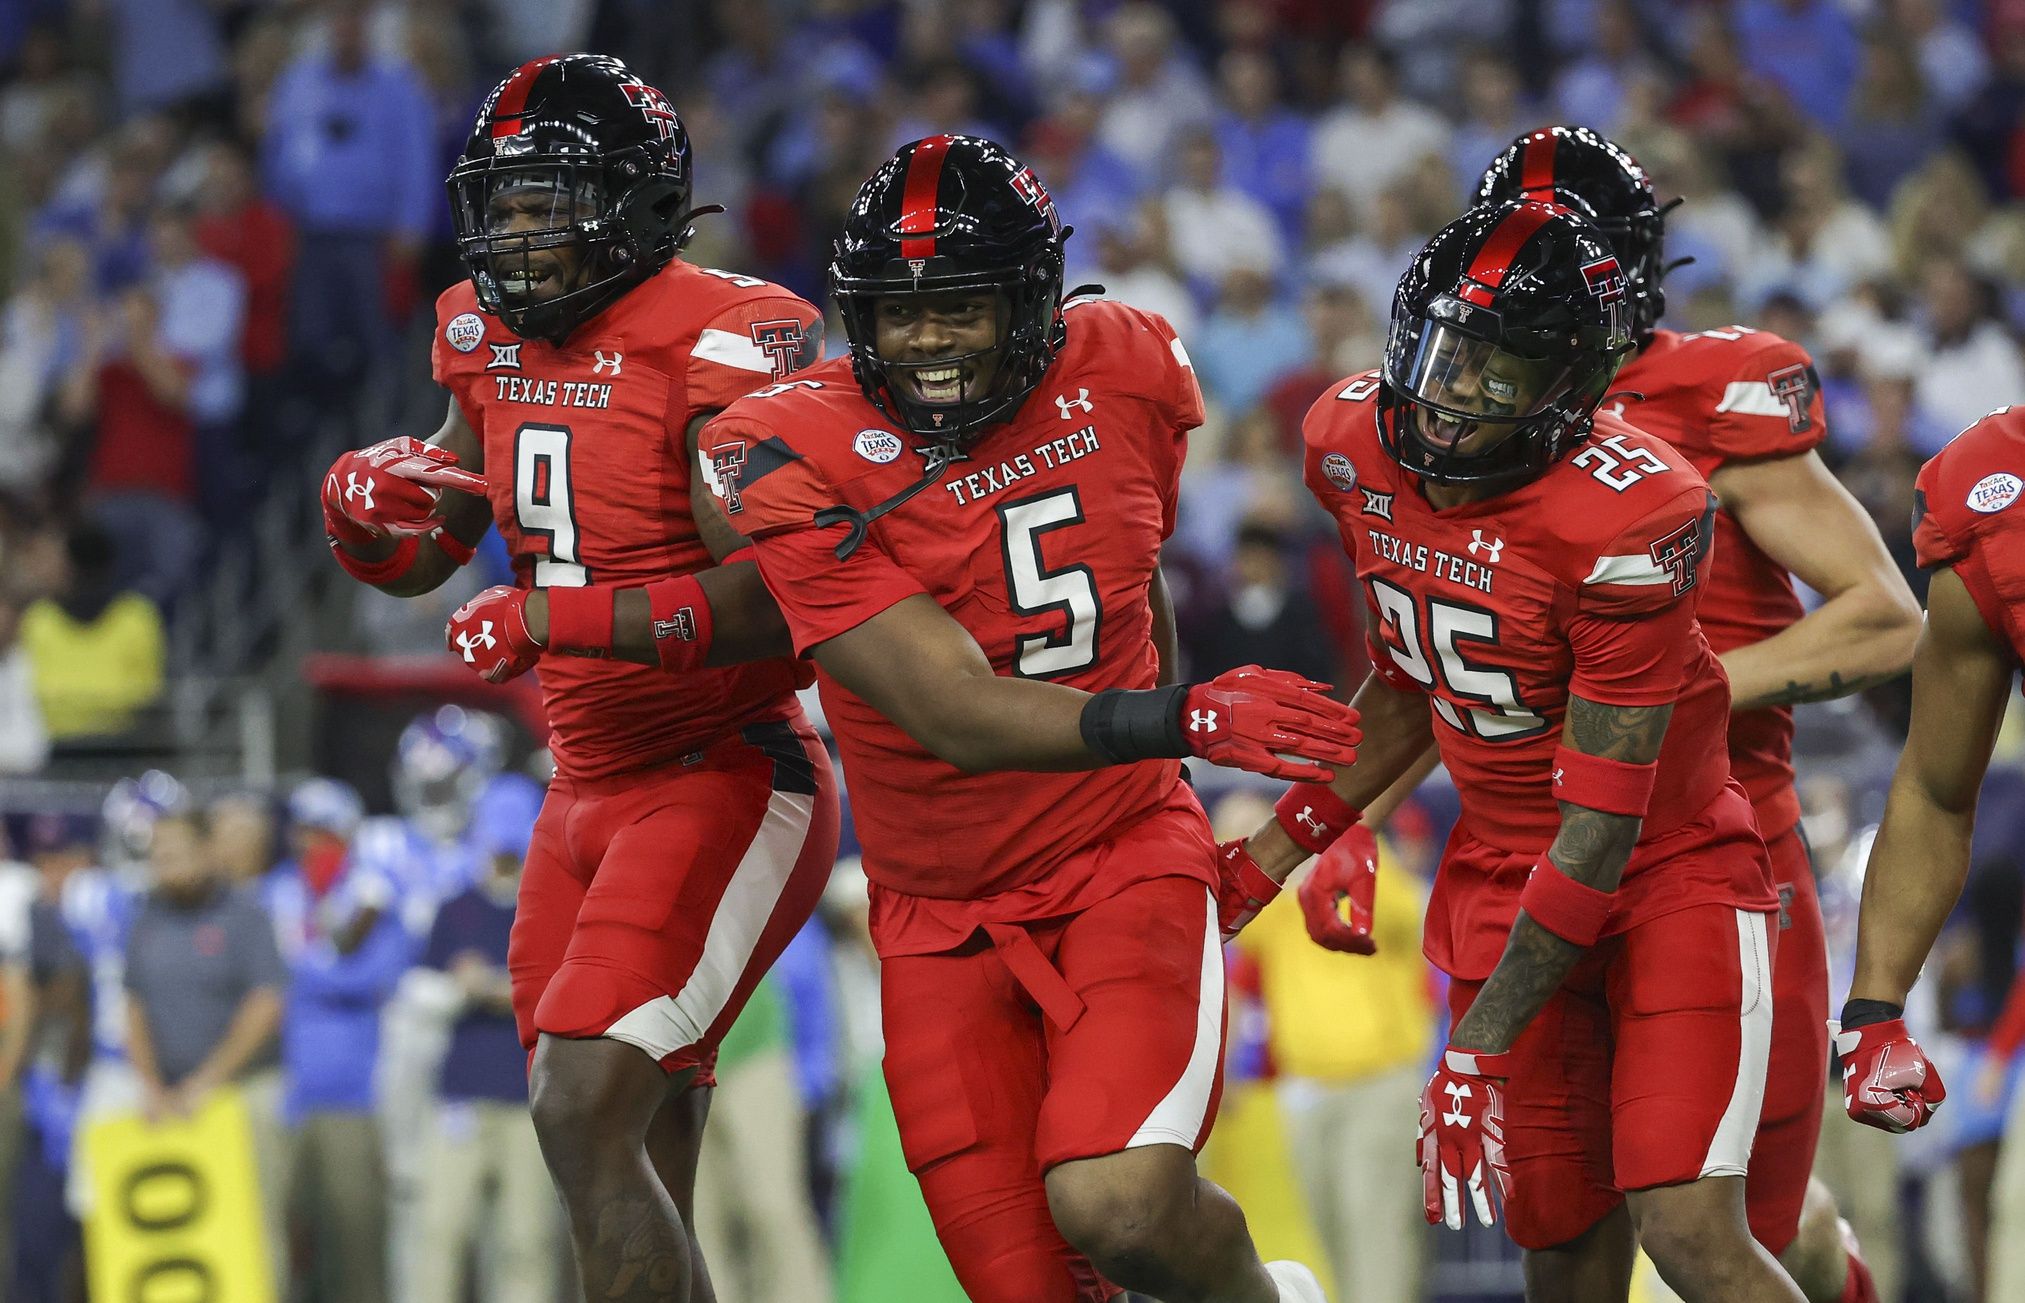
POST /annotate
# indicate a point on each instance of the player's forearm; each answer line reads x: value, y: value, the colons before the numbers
x: 1592, y: 849
x: 1917, y: 867
x: 988, y: 722
x: 1398, y: 734
x: 1856, y: 639
x: 745, y: 623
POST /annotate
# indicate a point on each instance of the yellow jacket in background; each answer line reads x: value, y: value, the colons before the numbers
x: 1337, y: 1017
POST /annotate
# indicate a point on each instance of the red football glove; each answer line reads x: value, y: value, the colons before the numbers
x: 1888, y: 1082
x: 391, y: 489
x: 1270, y: 722
x: 1462, y: 1137
x: 489, y: 633
x: 1242, y: 888
x: 1348, y: 870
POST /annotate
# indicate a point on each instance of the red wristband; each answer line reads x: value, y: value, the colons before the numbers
x: 1563, y: 906
x: 1314, y: 816
x: 682, y: 624
x: 580, y: 620
x: 1611, y: 786
x: 454, y: 547
x: 376, y: 573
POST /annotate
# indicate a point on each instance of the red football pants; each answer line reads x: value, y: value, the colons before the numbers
x: 1034, y: 1045
x: 652, y: 903
x: 1782, y: 1159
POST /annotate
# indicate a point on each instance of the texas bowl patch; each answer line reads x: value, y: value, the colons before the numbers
x: 1336, y: 469
x: 879, y: 446
x: 465, y: 332
x: 1995, y: 492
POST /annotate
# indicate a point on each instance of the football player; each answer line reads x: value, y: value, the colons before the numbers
x: 1531, y: 568
x: 1970, y: 531
x: 962, y: 523
x: 693, y: 820
x: 1744, y: 407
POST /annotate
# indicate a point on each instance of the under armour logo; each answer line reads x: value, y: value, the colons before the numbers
x: 358, y: 488
x: 1081, y: 400
x: 1493, y: 546
x: 613, y: 361
x: 1457, y: 1092
x: 1202, y: 721
x: 1559, y: 774
x: 469, y: 643
x: 1306, y: 818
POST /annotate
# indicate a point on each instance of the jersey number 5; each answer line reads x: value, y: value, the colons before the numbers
x: 1439, y: 664
x: 545, y: 505
x: 1070, y: 592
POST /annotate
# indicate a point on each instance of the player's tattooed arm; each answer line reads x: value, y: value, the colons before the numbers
x: 1592, y: 847
x: 467, y: 516
x: 1962, y: 676
x: 1862, y: 634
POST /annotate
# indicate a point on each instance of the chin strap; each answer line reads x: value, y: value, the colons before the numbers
x: 938, y: 458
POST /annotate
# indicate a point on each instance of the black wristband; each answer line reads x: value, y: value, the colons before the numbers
x: 1862, y: 1013
x: 1122, y: 725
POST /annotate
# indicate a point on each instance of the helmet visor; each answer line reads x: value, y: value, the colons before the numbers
x: 1469, y: 393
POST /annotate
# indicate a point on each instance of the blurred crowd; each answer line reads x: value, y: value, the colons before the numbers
x: 225, y: 227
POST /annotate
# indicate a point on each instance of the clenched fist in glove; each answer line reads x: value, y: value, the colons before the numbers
x: 489, y: 633
x: 1242, y: 888
x: 1348, y: 870
x: 391, y: 490
x: 1462, y: 1137
x: 1270, y: 722
x: 1888, y: 1082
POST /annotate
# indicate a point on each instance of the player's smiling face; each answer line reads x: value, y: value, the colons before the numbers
x: 534, y: 208
x: 1471, y: 379
x: 941, y: 348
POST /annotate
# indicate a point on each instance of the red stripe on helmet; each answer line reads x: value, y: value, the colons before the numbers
x: 1480, y: 283
x: 512, y: 101
x: 1537, y: 164
x: 918, y: 198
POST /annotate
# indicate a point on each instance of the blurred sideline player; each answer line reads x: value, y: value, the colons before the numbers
x: 692, y: 819
x: 1970, y: 530
x: 962, y: 523
x: 1531, y: 569
x: 1744, y: 407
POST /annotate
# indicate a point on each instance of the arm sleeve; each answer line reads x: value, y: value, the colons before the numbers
x: 1770, y: 406
x: 750, y: 345
x: 1180, y: 406
x: 1938, y: 539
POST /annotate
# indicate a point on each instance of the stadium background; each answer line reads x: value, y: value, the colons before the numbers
x: 222, y: 228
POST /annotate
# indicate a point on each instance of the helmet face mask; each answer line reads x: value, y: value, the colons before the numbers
x: 574, y: 187
x: 947, y: 221
x: 1506, y: 330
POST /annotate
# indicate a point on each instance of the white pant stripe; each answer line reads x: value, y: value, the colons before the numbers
x: 666, y: 1023
x: 1730, y: 1150
x: 1178, y: 1119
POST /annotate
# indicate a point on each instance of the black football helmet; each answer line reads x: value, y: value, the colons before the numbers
x: 1506, y: 331
x: 1584, y: 170
x: 953, y: 213
x: 612, y: 159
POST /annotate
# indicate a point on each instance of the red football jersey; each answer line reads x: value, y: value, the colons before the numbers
x: 1966, y: 515
x: 1582, y: 581
x: 1042, y: 542
x: 1718, y: 396
x: 589, y: 483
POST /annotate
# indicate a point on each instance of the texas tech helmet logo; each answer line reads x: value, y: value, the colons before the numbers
x: 654, y: 107
x: 1605, y: 280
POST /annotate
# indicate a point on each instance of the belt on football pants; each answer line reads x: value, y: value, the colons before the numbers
x: 1031, y: 969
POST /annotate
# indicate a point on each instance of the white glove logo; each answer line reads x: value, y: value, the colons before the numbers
x: 470, y: 643
x: 1202, y: 721
x: 357, y: 488
x: 1457, y: 1092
